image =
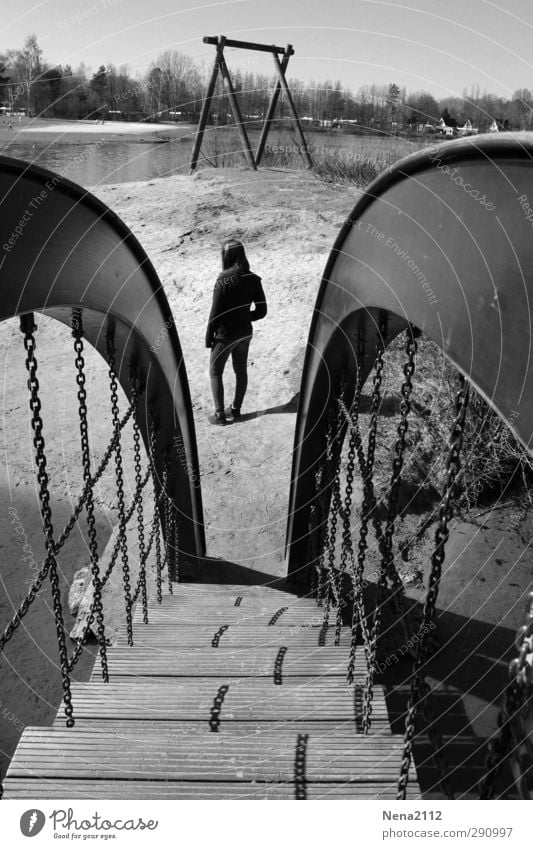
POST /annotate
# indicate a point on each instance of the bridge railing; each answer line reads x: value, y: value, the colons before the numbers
x: 440, y: 245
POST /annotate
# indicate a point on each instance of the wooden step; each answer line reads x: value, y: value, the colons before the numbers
x: 245, y: 699
x: 69, y: 753
x: 199, y: 636
x: 236, y: 662
x: 242, y: 728
x: 65, y: 788
x: 219, y: 615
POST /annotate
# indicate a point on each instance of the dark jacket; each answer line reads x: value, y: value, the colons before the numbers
x: 231, y: 315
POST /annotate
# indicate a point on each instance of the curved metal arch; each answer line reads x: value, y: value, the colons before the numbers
x: 443, y: 240
x: 62, y: 248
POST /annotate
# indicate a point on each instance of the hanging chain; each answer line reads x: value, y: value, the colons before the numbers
x: 513, y: 739
x: 321, y: 533
x: 169, y: 529
x: 134, y: 388
x: 355, y: 447
x: 77, y: 333
x: 333, y: 456
x: 158, y: 493
x: 368, y: 486
x: 419, y: 689
x: 386, y: 539
x: 346, y: 517
x: 36, y: 586
x: 176, y: 575
x: 28, y: 328
x: 119, y: 473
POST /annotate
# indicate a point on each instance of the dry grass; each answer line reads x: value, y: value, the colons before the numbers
x: 355, y: 162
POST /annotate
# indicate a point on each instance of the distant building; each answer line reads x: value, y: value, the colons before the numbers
x: 467, y: 129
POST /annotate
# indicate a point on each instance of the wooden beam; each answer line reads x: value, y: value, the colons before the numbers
x: 292, y: 107
x: 244, y: 45
x: 272, y: 106
x: 206, y: 107
x: 237, y: 113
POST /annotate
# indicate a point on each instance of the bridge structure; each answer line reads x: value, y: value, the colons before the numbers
x: 279, y: 689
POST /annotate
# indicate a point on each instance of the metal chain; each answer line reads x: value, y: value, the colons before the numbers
x: 28, y: 328
x: 368, y: 500
x: 176, y: 575
x: 168, y: 523
x: 166, y: 513
x: 158, y: 493
x: 320, y: 534
x: 300, y: 756
x: 386, y: 540
x: 35, y: 588
x: 418, y: 692
x: 134, y: 388
x: 346, y: 510
x: 333, y: 460
x: 513, y: 738
x: 77, y: 333
x: 122, y: 542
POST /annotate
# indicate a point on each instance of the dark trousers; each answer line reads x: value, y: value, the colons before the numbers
x: 219, y: 356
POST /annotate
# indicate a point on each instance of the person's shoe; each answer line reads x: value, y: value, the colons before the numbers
x: 217, y: 418
x: 232, y: 413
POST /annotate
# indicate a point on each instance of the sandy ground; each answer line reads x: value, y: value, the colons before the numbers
x: 288, y: 222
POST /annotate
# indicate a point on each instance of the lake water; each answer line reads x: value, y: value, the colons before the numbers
x: 113, y: 161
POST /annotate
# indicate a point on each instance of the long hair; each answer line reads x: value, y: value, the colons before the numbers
x: 234, y: 256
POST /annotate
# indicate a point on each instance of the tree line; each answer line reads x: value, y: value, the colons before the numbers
x: 173, y: 87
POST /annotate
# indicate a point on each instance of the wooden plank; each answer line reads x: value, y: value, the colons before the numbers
x: 245, y: 699
x: 245, y: 45
x: 63, y: 788
x: 275, y: 589
x: 236, y: 727
x: 233, y: 662
x: 57, y: 753
x: 200, y: 636
x: 231, y: 615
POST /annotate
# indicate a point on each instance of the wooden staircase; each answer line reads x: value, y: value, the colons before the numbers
x: 231, y: 692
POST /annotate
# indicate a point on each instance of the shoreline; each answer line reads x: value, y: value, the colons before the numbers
x: 41, y: 130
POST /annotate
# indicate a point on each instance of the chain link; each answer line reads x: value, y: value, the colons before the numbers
x: 386, y: 538
x: 368, y: 501
x: 122, y: 542
x: 514, y: 740
x: 77, y: 332
x: 134, y: 388
x: 333, y: 483
x: 158, y: 493
x: 169, y: 529
x: 28, y: 328
x: 419, y: 690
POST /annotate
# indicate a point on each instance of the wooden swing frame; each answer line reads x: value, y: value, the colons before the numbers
x: 220, y: 43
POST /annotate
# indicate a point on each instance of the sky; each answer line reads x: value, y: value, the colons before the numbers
x: 440, y: 47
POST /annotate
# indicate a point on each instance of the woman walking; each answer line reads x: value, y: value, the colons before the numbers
x: 229, y: 329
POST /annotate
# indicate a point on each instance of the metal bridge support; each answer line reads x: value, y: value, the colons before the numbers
x: 442, y: 241
x: 61, y: 248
